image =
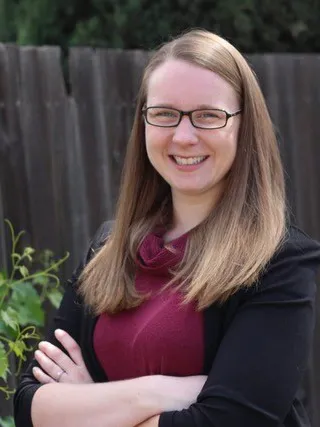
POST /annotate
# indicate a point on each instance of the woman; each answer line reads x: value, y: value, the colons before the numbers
x: 196, y: 306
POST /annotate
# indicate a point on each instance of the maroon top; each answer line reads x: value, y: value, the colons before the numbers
x: 155, y: 337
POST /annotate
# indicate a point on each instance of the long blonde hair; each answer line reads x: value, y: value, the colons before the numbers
x: 232, y: 246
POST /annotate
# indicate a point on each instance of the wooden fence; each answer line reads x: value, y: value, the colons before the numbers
x: 61, y: 154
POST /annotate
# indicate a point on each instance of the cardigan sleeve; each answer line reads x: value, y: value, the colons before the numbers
x: 262, y: 357
x: 68, y: 318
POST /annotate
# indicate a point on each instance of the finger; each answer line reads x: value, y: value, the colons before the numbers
x: 57, y: 356
x: 48, y: 365
x: 41, y: 376
x: 70, y: 345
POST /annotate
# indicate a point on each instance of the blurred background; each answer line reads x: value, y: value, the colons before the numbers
x: 69, y: 75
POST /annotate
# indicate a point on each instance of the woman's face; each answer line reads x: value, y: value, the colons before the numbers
x: 193, y: 161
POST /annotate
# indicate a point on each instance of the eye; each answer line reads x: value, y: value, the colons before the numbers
x: 207, y: 115
x: 161, y: 116
x: 163, y: 113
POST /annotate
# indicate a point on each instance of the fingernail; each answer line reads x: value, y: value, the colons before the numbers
x: 59, y: 332
x: 43, y: 344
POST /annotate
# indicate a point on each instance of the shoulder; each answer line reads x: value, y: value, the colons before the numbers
x: 288, y: 282
x: 293, y: 267
x: 290, y: 273
x: 297, y: 249
x: 100, y: 236
x: 103, y: 232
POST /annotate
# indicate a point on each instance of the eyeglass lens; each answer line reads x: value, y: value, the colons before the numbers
x: 210, y: 118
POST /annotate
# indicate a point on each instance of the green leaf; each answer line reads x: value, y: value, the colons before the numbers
x: 7, y: 332
x: 7, y: 422
x: 26, y: 301
x: 10, y: 317
x: 23, y: 271
x: 18, y: 347
x: 3, y: 293
x: 24, y: 291
x: 4, y: 363
x: 55, y: 297
x: 3, y: 278
x: 31, y: 313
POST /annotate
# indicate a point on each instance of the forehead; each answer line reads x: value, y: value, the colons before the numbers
x: 187, y: 86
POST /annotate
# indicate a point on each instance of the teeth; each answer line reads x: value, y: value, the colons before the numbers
x: 188, y: 160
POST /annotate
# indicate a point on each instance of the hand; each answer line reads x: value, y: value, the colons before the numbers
x: 56, y: 366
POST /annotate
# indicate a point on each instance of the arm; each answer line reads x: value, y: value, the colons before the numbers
x: 151, y: 422
x: 121, y: 403
x: 117, y: 404
x: 157, y: 394
x: 258, y: 368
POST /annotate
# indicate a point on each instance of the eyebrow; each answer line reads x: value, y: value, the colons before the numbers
x: 199, y: 107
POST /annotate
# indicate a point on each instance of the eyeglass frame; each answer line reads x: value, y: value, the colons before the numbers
x: 189, y: 114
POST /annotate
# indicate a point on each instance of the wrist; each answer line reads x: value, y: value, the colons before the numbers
x: 167, y: 393
x: 151, y: 394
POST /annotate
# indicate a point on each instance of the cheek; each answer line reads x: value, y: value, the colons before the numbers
x: 231, y: 147
x: 229, y: 143
x: 234, y: 143
x: 155, y: 141
x: 149, y: 144
x: 225, y: 149
x: 152, y: 147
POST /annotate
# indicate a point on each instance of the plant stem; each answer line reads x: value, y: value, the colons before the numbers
x: 2, y: 338
x: 7, y: 392
x: 41, y: 273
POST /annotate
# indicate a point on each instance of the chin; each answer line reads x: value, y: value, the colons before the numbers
x: 190, y: 191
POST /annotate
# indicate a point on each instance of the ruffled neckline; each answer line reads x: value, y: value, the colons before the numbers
x: 158, y: 257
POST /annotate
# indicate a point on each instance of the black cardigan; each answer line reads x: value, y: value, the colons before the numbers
x: 256, y: 345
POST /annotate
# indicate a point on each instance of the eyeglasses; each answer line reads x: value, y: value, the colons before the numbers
x: 203, y: 119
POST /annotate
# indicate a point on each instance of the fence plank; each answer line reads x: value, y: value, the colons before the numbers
x: 55, y: 112
x: 37, y: 151
x: 12, y: 160
x: 119, y: 101
x: 82, y: 78
x: 79, y: 207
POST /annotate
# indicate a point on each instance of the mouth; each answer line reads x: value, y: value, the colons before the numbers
x: 188, y: 161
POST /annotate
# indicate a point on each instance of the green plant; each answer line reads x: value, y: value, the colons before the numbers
x: 7, y: 422
x: 30, y: 282
x: 252, y: 25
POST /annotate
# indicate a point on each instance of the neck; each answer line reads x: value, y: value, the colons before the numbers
x: 188, y: 212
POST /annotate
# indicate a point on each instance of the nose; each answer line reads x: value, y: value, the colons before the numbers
x: 185, y: 132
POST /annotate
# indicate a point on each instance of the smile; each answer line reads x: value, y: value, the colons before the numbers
x: 189, y: 160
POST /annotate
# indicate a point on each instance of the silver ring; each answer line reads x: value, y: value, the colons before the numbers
x: 60, y: 375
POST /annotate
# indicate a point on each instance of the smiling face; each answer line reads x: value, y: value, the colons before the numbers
x: 193, y: 161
